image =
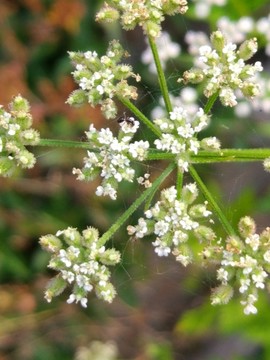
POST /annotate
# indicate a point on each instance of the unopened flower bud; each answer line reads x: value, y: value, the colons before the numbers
x: 19, y: 105
x: 221, y: 294
x: 90, y: 236
x: 246, y: 226
x: 217, y: 40
x: 248, y: 48
x: 51, y: 243
x: 110, y: 257
x: 106, y: 293
x: 210, y: 143
x: 55, y: 287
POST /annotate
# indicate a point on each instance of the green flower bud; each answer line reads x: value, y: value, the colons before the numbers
x: 210, y: 143
x: 25, y: 159
x: 110, y: 257
x: 77, y: 98
x: 90, y: 236
x: 30, y: 137
x: 193, y: 76
x: 71, y: 236
x: 247, y: 49
x: 7, y: 166
x: 189, y: 193
x: 55, y: 287
x: 204, y: 233
x: 246, y: 226
x: 265, y: 236
x: 234, y: 244
x: 218, y: 41
x: 221, y: 294
x: 106, y: 293
x: 19, y: 105
x: 250, y: 89
x: 50, y: 243
x: 107, y: 14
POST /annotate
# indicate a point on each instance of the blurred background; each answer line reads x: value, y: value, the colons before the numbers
x: 163, y: 310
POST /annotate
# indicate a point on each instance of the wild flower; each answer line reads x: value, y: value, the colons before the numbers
x: 146, y: 13
x: 224, y: 70
x: 111, y: 157
x: 15, y: 134
x: 244, y: 261
x: 172, y: 221
x: 179, y: 135
x: 81, y: 262
x: 102, y: 79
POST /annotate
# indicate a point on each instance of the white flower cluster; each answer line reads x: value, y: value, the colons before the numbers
x: 179, y: 135
x: 203, y: 7
x: 246, y: 261
x: 102, y: 79
x: 172, y: 220
x: 15, y: 134
x: 82, y: 262
x: 167, y: 49
x: 146, y: 13
x: 224, y: 69
x: 111, y: 157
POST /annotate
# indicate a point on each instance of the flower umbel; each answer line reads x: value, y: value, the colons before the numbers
x: 102, y: 79
x: 82, y: 262
x: 15, y: 134
x: 172, y: 220
x: 224, y: 70
x: 245, y: 261
x: 179, y: 135
x: 112, y: 157
x: 146, y: 13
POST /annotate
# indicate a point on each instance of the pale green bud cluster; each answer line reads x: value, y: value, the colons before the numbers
x: 245, y: 261
x: 223, y: 69
x: 111, y: 157
x: 81, y: 262
x: 102, y: 78
x: 146, y: 13
x: 179, y: 135
x: 172, y: 221
x: 97, y: 351
x: 15, y: 134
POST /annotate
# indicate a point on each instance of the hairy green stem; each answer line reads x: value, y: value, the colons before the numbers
x: 179, y: 182
x: 225, y: 223
x: 65, y: 144
x: 161, y: 76
x: 140, y: 115
x: 123, y: 218
x: 210, y: 103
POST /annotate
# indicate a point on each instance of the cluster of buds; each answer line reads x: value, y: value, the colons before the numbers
x: 82, y: 262
x: 146, y: 13
x: 244, y: 261
x: 102, y: 79
x: 111, y: 157
x: 179, y: 135
x: 172, y: 221
x: 15, y: 134
x: 224, y: 70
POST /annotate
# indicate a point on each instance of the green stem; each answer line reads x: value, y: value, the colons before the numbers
x: 179, y: 182
x: 123, y: 218
x: 210, y: 103
x: 230, y: 155
x: 225, y: 223
x: 140, y: 115
x: 161, y: 76
x: 65, y: 144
